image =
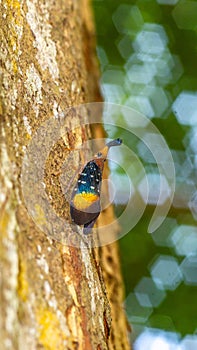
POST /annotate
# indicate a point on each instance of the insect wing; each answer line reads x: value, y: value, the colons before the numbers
x: 89, y: 180
x: 85, y: 200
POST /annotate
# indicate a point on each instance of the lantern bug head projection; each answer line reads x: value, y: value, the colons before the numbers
x: 85, y: 199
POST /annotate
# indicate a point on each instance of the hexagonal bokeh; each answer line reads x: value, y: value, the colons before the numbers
x: 184, y: 15
x: 127, y: 18
x: 185, y: 107
x: 152, y: 39
x: 141, y: 104
x: 152, y: 100
x: 145, y: 153
x: 155, y: 339
x: 189, y: 343
x: 148, y: 294
x: 102, y: 56
x: 183, y: 164
x: 184, y: 239
x: 193, y: 205
x: 141, y: 73
x: 158, y: 99
x: 162, y: 235
x: 124, y: 46
x: 166, y: 273
x: 135, y: 312
x: 113, y: 92
x: 189, y: 268
x: 189, y: 140
x: 183, y: 193
x: 122, y: 189
x: 157, y: 186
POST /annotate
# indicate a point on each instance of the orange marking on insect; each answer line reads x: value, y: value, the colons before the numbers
x: 82, y: 201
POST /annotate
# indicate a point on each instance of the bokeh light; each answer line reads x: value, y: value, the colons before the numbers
x: 166, y: 273
x: 148, y: 294
x: 152, y: 339
x: 185, y: 108
x: 189, y: 268
x: 148, y: 61
x: 184, y: 239
x: 184, y: 15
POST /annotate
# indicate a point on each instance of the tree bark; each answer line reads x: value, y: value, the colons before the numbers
x: 53, y: 296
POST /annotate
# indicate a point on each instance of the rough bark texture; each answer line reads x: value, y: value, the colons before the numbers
x: 53, y: 296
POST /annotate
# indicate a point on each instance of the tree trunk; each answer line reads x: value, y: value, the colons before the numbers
x: 53, y: 295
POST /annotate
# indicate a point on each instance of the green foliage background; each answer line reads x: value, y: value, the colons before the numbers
x: 178, y: 310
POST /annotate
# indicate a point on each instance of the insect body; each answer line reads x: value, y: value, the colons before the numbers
x: 85, y: 200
